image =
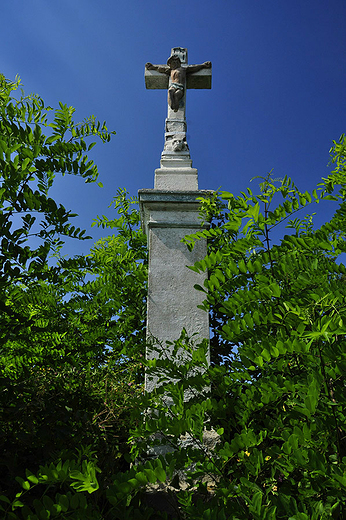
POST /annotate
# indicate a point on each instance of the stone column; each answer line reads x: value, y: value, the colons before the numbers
x: 167, y: 217
x: 169, y: 212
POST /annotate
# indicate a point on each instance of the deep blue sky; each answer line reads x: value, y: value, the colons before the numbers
x: 278, y: 95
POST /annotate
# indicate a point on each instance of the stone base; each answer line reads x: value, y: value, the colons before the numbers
x: 176, y: 179
x: 161, y: 496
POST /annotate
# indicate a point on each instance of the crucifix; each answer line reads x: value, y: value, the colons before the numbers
x: 176, y: 77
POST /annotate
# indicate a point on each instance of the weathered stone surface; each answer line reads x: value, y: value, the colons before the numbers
x: 176, y: 145
x: 167, y: 217
x: 158, y: 206
x: 199, y: 79
x: 196, y: 80
x: 175, y: 125
x: 180, y: 179
x: 155, y: 80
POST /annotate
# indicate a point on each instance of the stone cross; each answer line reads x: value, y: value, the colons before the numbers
x: 169, y: 212
x: 176, y: 77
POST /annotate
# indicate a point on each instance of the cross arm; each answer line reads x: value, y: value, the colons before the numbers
x: 157, y: 80
x: 199, y: 77
x: 156, y: 76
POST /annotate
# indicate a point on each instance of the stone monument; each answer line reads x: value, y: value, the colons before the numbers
x: 169, y: 212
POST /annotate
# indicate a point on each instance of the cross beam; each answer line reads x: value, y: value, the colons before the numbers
x: 160, y: 80
x: 157, y: 80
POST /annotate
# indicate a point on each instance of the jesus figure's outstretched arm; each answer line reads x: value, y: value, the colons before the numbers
x: 164, y: 69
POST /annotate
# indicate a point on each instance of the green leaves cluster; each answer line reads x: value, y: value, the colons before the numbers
x: 29, y: 161
x: 70, y: 353
x: 276, y: 293
x: 73, y: 477
x: 120, y: 264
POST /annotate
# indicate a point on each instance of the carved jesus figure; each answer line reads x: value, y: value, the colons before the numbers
x: 178, y: 77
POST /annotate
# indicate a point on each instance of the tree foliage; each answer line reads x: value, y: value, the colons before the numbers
x: 263, y: 433
x: 69, y: 351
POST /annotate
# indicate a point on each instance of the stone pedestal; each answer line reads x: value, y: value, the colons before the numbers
x: 184, y: 179
x: 167, y: 217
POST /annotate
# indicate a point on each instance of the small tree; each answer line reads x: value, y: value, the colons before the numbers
x: 69, y: 350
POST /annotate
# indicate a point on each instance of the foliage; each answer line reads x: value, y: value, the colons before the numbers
x: 260, y: 434
x: 29, y: 161
x: 70, y: 351
x: 277, y: 399
x: 32, y: 224
x: 78, y: 475
x: 121, y: 269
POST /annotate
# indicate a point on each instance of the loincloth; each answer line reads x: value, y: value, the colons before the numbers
x: 177, y: 86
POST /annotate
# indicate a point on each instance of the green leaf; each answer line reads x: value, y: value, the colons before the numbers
x: 63, y: 502
x: 275, y: 290
x: 265, y: 355
x: 17, y: 503
x: 151, y: 475
x: 299, y: 516
x: 160, y: 474
x: 74, y: 501
x: 125, y: 487
x: 141, y: 477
